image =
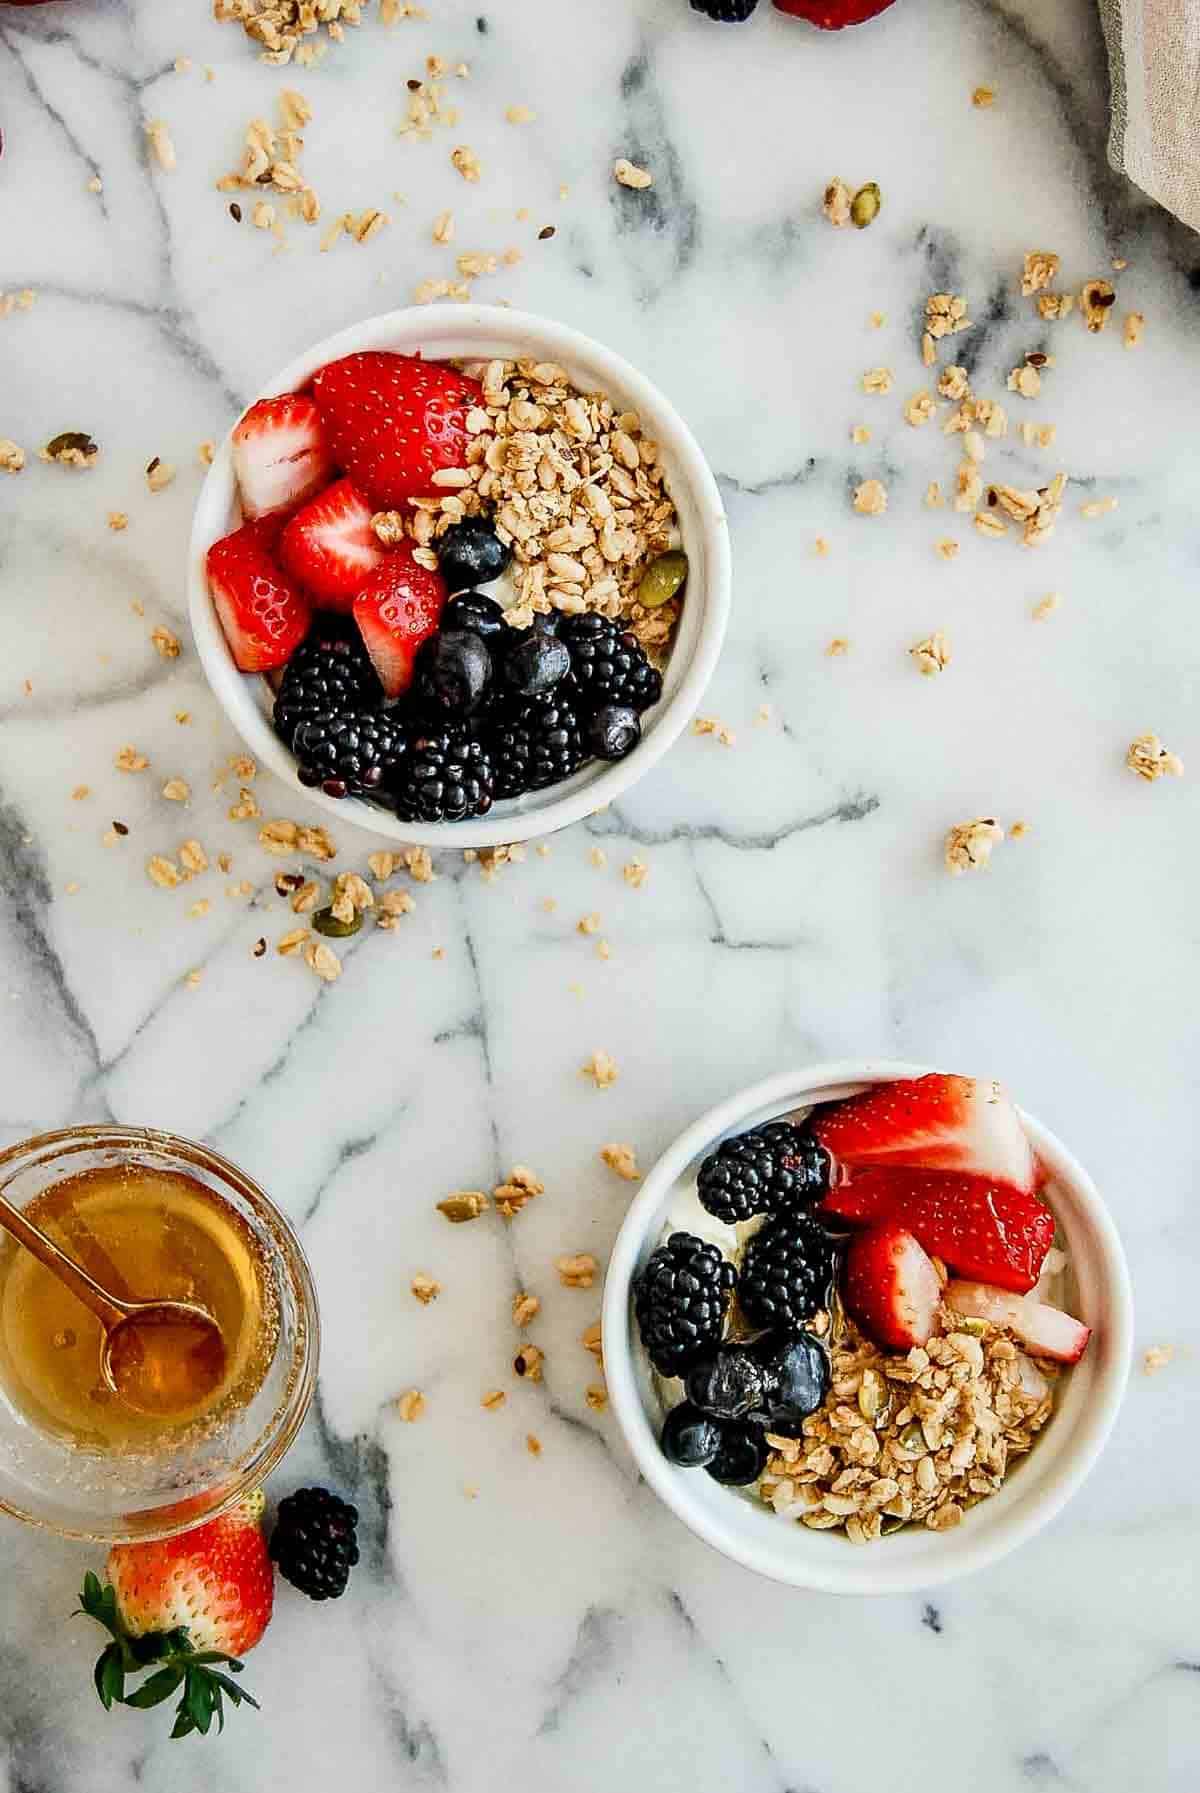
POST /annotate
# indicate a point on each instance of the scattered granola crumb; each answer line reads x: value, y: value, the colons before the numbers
x: 953, y: 383
x: 1046, y: 606
x: 193, y: 979
x: 467, y: 162
x: 946, y: 547
x: 80, y: 792
x: 199, y: 908
x: 1157, y: 1358
x: 622, y: 1161
x: 590, y: 1339
x: 95, y: 185
x: 425, y: 1288
x: 598, y: 857
x: 533, y: 1444
x: 522, y: 1186
x: 71, y: 448
x: 1096, y: 302
x: 159, y: 474
x: 12, y: 457
x: 410, y: 1406
x: 162, y: 871
x: 493, y: 1400
x: 1055, y: 306
x: 603, y: 949
x: 629, y: 175
x: 393, y: 904
x: 588, y: 924
x: 183, y: 717
x: 709, y: 725
x: 1098, y: 507
x: 1133, y: 329
x: 524, y: 1309
x: 290, y: 943
x: 860, y: 434
x: 877, y: 320
x: 1040, y: 268
x: 117, y: 521
x: 596, y: 1397
x: 1018, y: 831
x: 870, y: 498
x: 577, y: 1272
x: 463, y: 1204
x: 928, y: 350
x: 763, y: 713
x: 836, y: 203
x: 130, y: 760
x: 528, y: 1362
x: 969, y: 845
x: 945, y: 315
x: 838, y: 647
x: 323, y: 961
x: 821, y: 547
x: 418, y: 863
x: 382, y: 865
x: 878, y: 379
x: 161, y: 146
x: 1150, y: 759
x: 602, y: 1069
x: 635, y: 872
x: 932, y: 655
x: 983, y: 97
x: 166, y: 645
x: 177, y: 790
x: 933, y: 495
x: 919, y: 409
x: 987, y: 524
x: 192, y: 857
x: 1026, y: 380
x: 520, y: 115
x: 1119, y: 263
x: 206, y: 452
x: 245, y: 809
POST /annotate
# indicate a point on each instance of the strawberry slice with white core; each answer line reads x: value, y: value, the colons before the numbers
x: 330, y: 548
x: 891, y: 1287
x: 1046, y: 1331
x: 935, y: 1122
x: 280, y: 454
x: 263, y: 615
x: 396, y: 611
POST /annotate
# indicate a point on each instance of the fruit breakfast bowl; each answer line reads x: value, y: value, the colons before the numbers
x: 927, y: 1346
x: 371, y: 626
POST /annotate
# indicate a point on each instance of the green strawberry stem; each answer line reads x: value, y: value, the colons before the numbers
x: 176, y: 1667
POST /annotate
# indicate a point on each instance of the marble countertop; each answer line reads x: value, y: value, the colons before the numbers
x: 560, y: 1628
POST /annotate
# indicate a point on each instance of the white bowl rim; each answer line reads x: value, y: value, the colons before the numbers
x: 852, y: 1571
x: 549, y: 339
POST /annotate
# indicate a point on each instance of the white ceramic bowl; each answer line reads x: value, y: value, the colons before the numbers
x: 439, y: 332
x: 749, y: 1532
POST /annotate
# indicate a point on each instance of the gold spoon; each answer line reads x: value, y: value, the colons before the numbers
x: 160, y: 1357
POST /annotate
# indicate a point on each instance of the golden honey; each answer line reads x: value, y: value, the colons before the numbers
x: 144, y: 1234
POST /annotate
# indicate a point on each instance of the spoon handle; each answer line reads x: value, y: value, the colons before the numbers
x: 109, y: 1312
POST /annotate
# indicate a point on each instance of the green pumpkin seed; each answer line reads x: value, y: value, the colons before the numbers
x: 662, y: 579
x: 864, y: 207
x: 913, y: 1439
x: 326, y: 922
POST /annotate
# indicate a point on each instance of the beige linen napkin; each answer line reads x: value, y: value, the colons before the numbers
x: 1154, y: 56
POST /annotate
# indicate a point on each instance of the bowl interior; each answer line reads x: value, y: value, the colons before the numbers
x: 137, y: 1493
x: 739, y: 1524
x: 483, y: 332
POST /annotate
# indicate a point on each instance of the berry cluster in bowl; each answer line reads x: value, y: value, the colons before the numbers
x: 448, y: 579
x: 863, y: 1321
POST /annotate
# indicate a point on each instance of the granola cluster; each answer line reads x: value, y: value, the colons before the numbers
x: 915, y: 1439
x: 576, y: 489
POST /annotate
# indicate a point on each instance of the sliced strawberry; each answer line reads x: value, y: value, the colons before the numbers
x: 939, y: 1122
x: 397, y: 609
x: 1046, y: 1330
x: 891, y: 1287
x: 394, y: 421
x: 329, y: 547
x: 264, y: 617
x: 280, y: 454
x: 978, y: 1226
x: 833, y: 15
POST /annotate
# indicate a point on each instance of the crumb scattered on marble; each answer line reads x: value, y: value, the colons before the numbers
x: 860, y: 434
x: 709, y: 725
x: 969, y: 845
x: 1157, y: 1358
x: 621, y: 1159
x: 424, y: 1288
x: 592, y: 1341
x: 878, y: 380
x: 522, y: 1186
x: 932, y: 655
x: 1150, y: 759
x: 1018, y: 830
x: 577, y: 1271
x: 1096, y: 301
x: 159, y: 474
x: 870, y: 498
x: 596, y: 1397
x: 177, y: 790
x: 1133, y: 329
x: 982, y: 97
x: 838, y: 647
x: 528, y: 1362
x: 835, y: 203
x: 1039, y: 269
x: 919, y: 409
x: 588, y: 924
x: 1045, y: 607
x: 525, y: 1308
x: 462, y: 1205
x: 821, y: 547
x: 602, y: 1069
x: 946, y: 547
x: 933, y: 495
x: 161, y: 147
x: 410, y: 1406
x: 1098, y: 507
x: 630, y: 175
x: 493, y: 1400
x: 130, y: 760
x: 533, y: 1444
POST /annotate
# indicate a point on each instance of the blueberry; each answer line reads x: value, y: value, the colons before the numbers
x: 796, y: 1380
x: 613, y: 731
x: 536, y: 662
x: 726, y: 1383
x: 741, y: 1456
x: 453, y: 670
x: 483, y: 616
x: 689, y: 1437
x: 471, y: 553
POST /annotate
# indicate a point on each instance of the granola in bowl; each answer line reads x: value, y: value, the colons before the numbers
x: 463, y: 578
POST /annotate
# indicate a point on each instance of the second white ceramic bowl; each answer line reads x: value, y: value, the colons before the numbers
x: 749, y: 1532
x: 484, y: 332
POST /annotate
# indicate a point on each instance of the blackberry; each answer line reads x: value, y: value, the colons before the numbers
x: 608, y: 664
x: 353, y: 755
x: 680, y: 1300
x: 786, y: 1273
x: 314, y: 1543
x: 725, y: 12
x: 535, y: 744
x: 329, y: 674
x: 763, y: 1172
x: 446, y: 776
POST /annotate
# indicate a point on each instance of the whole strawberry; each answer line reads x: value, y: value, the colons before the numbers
x: 187, y: 1608
x: 832, y: 15
x: 393, y: 421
